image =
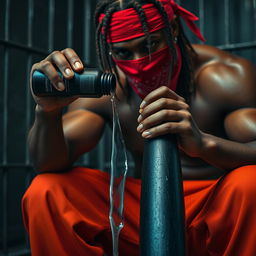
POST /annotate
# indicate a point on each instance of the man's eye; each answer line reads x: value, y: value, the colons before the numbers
x: 122, y: 54
x: 154, y: 44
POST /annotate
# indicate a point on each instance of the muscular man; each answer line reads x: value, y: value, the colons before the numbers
x: 209, y: 104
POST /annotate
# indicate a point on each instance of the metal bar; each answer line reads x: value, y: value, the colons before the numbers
x: 7, y: 20
x: 29, y: 62
x: 87, y: 30
x: 101, y: 159
x: 5, y: 129
x: 30, y: 22
x: 226, y: 21
x: 2, y: 220
x: 20, y: 252
x: 101, y: 153
x: 70, y: 23
x: 5, y: 91
x: 254, y: 18
x: 84, y: 159
x: 51, y: 25
x: 28, y: 179
x: 238, y: 46
x: 201, y: 16
x: 12, y: 44
x: 87, y: 59
x: 5, y: 214
x: 28, y: 112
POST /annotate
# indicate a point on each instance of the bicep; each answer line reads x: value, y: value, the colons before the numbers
x: 240, y: 125
x: 82, y: 130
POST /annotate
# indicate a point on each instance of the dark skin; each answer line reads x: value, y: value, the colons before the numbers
x: 216, y: 133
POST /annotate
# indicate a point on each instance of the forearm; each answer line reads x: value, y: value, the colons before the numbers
x: 227, y: 154
x: 47, y: 146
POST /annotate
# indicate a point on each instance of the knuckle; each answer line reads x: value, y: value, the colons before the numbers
x: 67, y: 50
x: 55, y: 52
x: 34, y: 66
x: 164, y: 89
x: 165, y: 113
x: 71, y: 55
x: 45, y: 64
x: 64, y: 51
x: 164, y: 102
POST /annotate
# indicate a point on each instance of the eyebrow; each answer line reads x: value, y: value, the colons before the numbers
x: 153, y: 36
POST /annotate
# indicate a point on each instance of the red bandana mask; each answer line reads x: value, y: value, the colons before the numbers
x: 150, y: 72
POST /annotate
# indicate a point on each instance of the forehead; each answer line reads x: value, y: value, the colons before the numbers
x: 157, y: 35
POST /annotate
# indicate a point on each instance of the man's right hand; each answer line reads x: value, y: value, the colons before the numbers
x: 67, y: 62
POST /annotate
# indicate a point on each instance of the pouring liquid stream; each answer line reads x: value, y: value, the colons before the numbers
x: 119, y: 168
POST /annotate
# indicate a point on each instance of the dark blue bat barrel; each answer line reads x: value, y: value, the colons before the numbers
x: 162, y: 221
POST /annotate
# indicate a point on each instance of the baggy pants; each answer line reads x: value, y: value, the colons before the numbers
x: 66, y: 214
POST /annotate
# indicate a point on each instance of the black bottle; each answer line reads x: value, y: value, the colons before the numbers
x: 92, y: 83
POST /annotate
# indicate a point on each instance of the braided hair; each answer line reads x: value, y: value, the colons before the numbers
x: 185, y: 86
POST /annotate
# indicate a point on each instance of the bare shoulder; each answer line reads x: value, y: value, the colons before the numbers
x: 225, y: 78
x: 227, y: 84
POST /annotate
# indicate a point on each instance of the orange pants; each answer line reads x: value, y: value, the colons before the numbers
x: 66, y: 214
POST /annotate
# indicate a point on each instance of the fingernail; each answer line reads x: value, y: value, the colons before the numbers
x: 139, y: 118
x: 143, y: 104
x: 146, y: 134
x: 140, y: 127
x: 78, y: 65
x: 68, y: 71
x: 61, y: 86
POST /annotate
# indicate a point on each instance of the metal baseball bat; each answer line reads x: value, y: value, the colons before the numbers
x: 162, y: 221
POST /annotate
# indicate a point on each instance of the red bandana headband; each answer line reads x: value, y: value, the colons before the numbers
x: 126, y: 25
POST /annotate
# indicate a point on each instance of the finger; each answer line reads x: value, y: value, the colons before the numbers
x: 161, y: 92
x: 73, y: 59
x: 60, y: 61
x: 159, y: 118
x: 162, y: 129
x: 50, y: 71
x: 167, y: 128
x: 162, y: 103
